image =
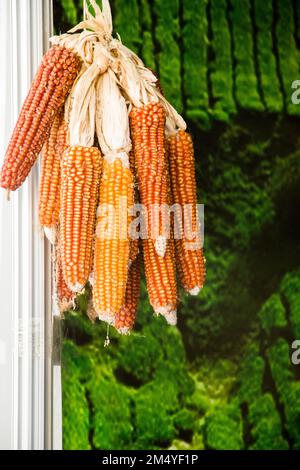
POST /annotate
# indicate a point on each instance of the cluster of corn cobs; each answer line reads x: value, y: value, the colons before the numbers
x: 156, y: 170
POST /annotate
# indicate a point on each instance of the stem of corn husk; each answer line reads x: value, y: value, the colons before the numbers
x: 81, y: 109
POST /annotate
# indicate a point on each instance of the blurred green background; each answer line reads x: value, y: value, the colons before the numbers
x: 224, y: 379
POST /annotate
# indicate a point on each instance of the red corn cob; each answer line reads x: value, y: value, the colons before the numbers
x: 48, y: 92
x: 189, y: 254
x: 126, y: 317
x: 148, y: 135
x: 161, y: 280
x: 64, y: 294
x: 134, y: 243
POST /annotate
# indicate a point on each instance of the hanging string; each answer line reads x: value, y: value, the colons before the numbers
x: 107, y: 339
x: 85, y: 9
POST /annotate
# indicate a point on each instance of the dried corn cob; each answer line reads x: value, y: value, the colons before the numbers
x: 80, y: 178
x: 112, y: 241
x: 134, y: 250
x: 134, y: 243
x: 161, y: 280
x: 49, y: 89
x: 189, y: 254
x: 53, y: 149
x: 64, y: 295
x: 148, y: 135
x: 126, y: 317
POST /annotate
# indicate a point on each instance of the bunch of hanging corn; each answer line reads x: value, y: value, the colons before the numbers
x: 116, y: 167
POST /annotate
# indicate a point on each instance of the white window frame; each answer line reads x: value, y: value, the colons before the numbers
x: 30, y: 388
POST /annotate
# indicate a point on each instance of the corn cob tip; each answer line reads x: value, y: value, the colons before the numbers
x: 171, y: 319
x: 77, y: 288
x: 195, y: 291
x: 107, y: 317
x: 50, y: 234
x: 125, y: 331
x: 161, y: 245
x: 169, y: 314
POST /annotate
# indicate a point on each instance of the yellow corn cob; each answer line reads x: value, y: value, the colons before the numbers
x: 112, y: 249
x: 53, y: 149
x: 52, y: 83
x: 126, y: 317
x: 80, y: 178
x: 189, y: 254
x: 148, y: 136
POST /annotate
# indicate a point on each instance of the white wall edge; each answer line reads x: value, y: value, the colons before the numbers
x: 25, y: 26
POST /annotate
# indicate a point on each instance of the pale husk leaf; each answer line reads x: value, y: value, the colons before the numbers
x: 112, y: 122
